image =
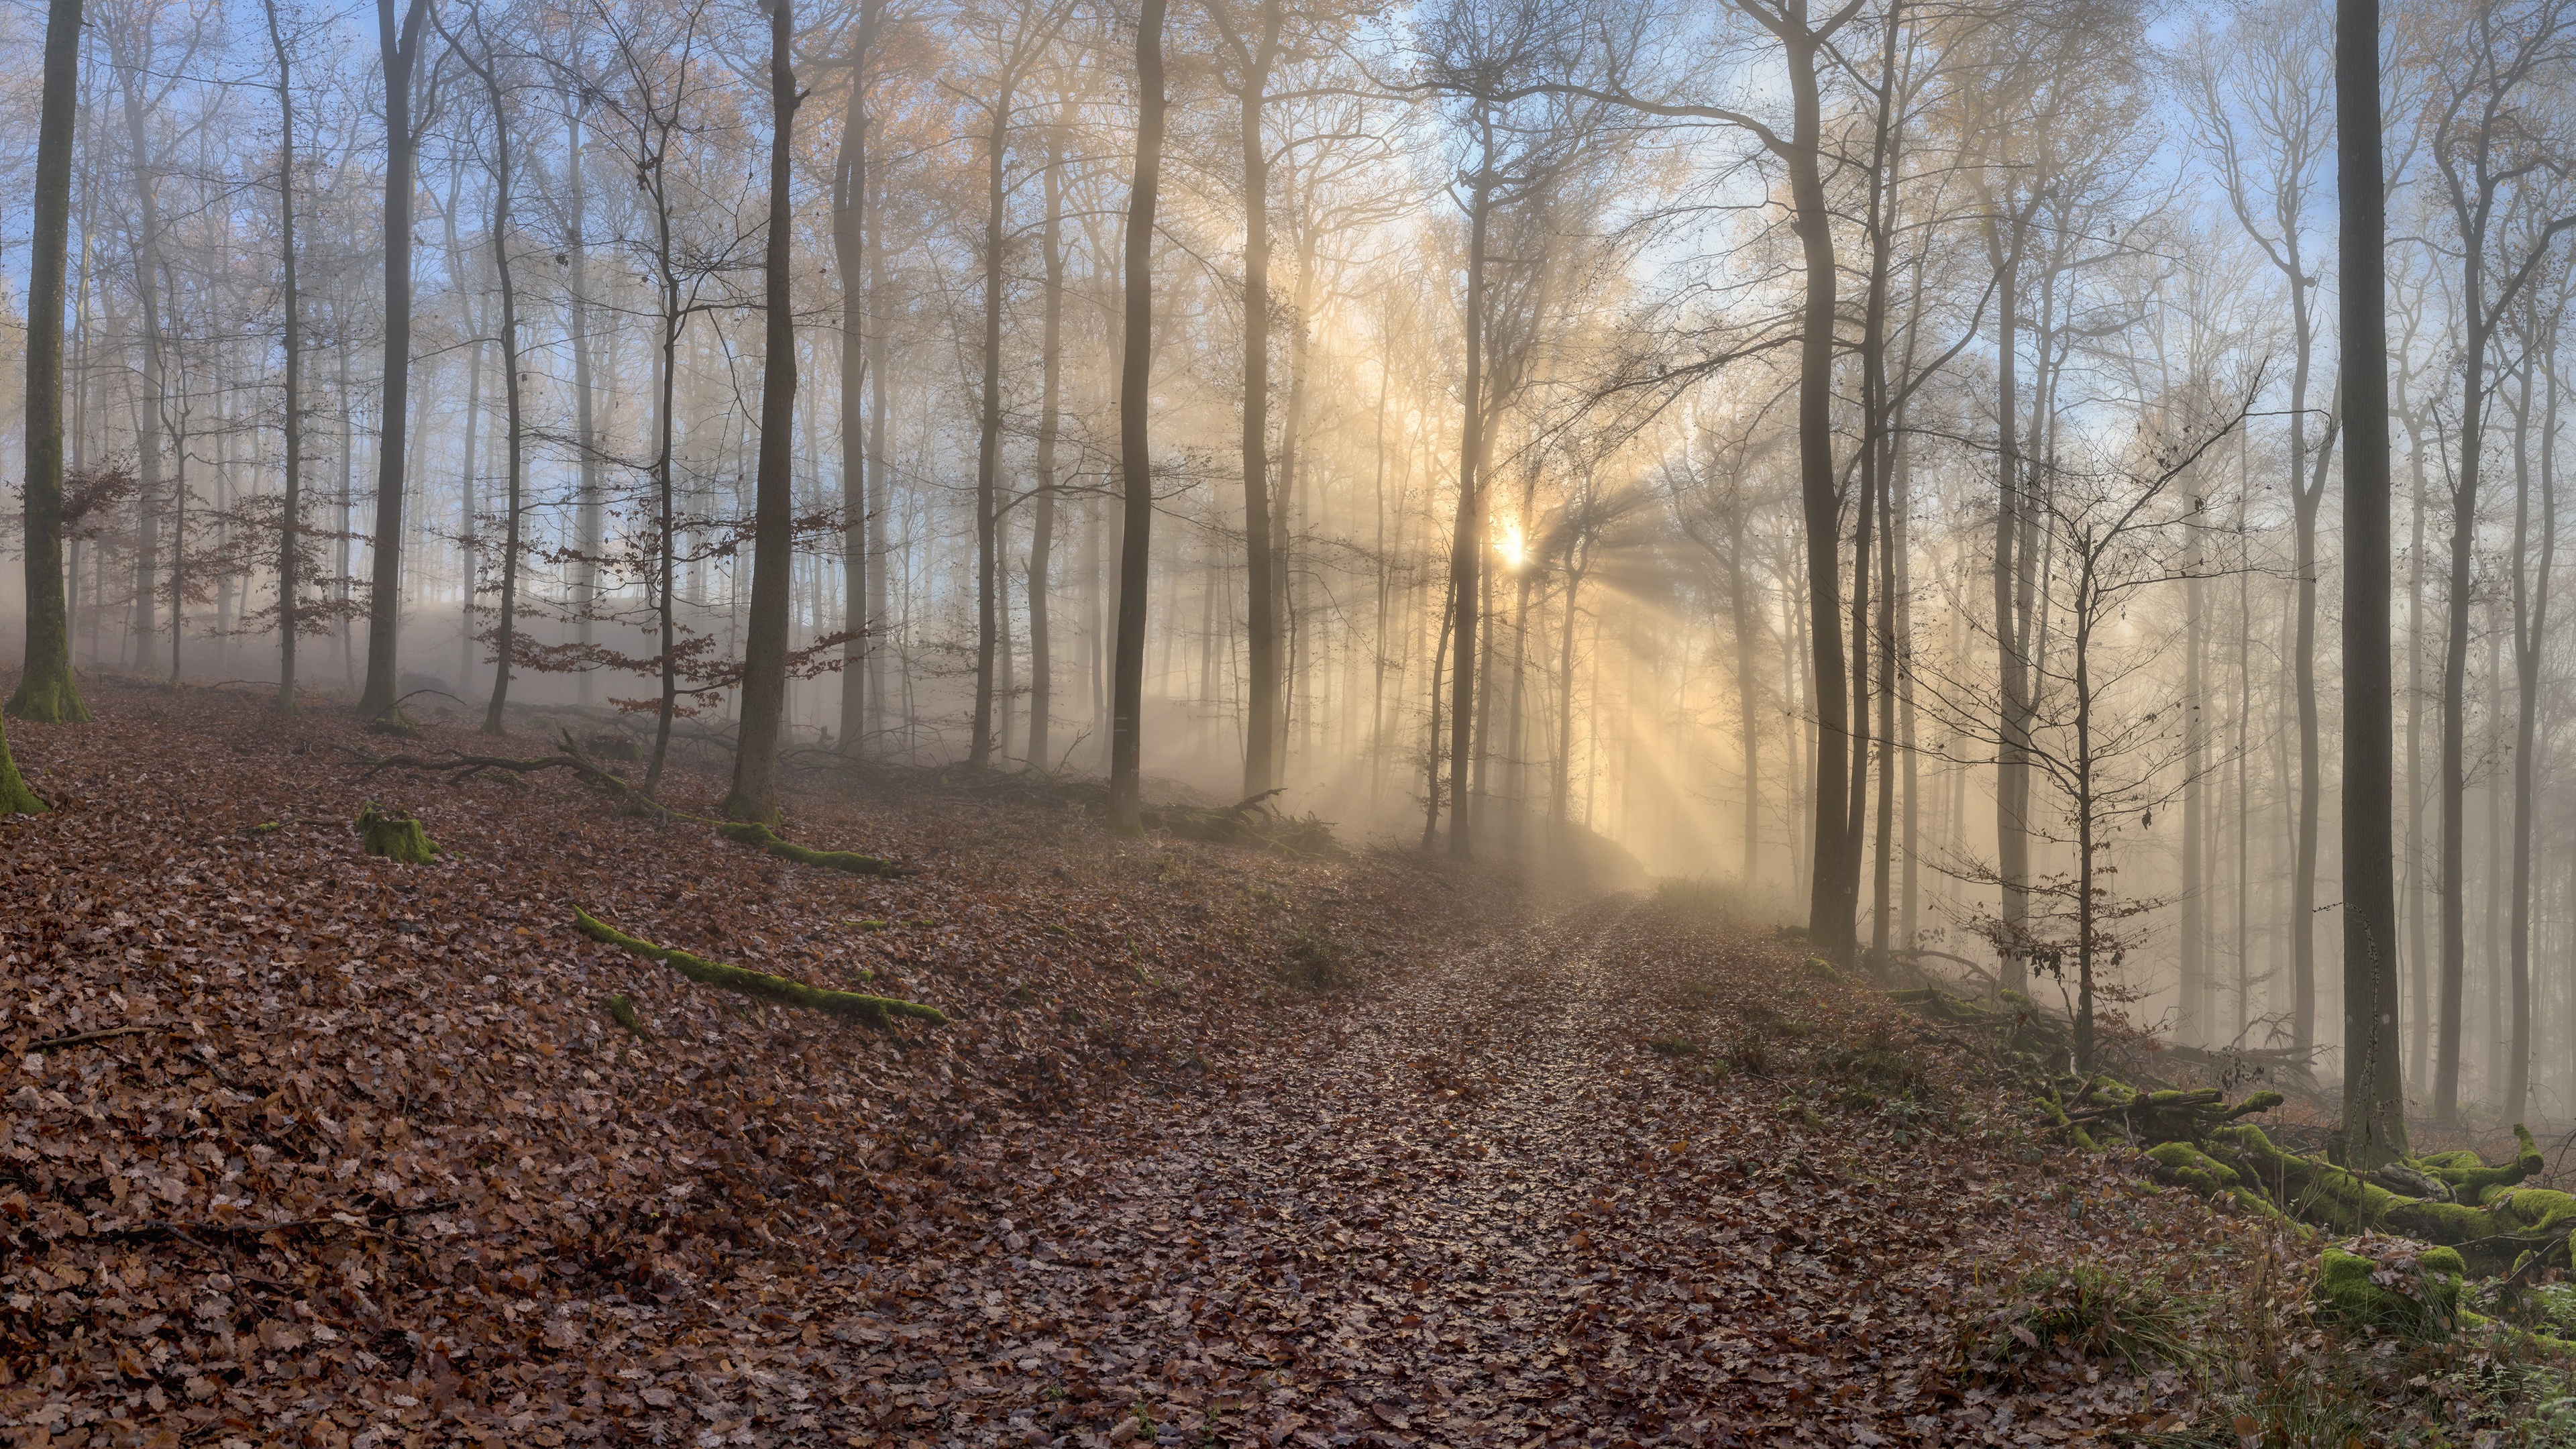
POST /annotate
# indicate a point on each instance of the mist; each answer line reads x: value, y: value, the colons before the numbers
x: 1889, y: 469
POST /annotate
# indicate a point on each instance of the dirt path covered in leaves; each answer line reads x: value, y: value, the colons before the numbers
x: 1481, y: 1210
x: 303, y: 1147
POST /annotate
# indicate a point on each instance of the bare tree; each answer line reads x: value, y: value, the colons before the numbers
x: 47, y: 691
x: 2486, y: 148
x: 410, y: 97
x: 765, y: 654
x: 1135, y: 441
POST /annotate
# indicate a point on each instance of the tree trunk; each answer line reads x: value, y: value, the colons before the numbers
x: 2374, y: 1074
x: 1050, y: 420
x: 988, y: 446
x: 1466, y: 544
x: 590, y: 513
x: 764, y: 667
x: 849, y: 256
x: 401, y: 52
x: 290, y: 538
x: 1832, y: 898
x: 1261, y: 743
x: 1135, y: 444
x: 2454, y: 722
x: 2531, y: 627
x: 46, y: 689
x: 2305, y: 502
x: 2012, y: 760
x: 151, y: 412
x: 504, y: 636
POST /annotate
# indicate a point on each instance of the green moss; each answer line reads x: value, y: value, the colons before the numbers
x: 2469, y: 1177
x: 1672, y: 1046
x: 875, y: 1010
x: 48, y: 695
x: 753, y: 833
x: 2415, y: 1296
x: 15, y: 797
x: 622, y: 1011
x: 396, y: 836
x: 2192, y: 1168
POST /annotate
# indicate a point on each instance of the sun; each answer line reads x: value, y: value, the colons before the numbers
x: 1512, y: 547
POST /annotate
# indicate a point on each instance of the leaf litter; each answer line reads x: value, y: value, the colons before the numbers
x: 309, y: 1147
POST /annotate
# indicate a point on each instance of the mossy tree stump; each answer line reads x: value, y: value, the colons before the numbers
x: 396, y: 836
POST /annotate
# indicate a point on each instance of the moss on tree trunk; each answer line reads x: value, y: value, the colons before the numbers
x: 15, y: 797
x: 874, y: 1010
x: 47, y: 693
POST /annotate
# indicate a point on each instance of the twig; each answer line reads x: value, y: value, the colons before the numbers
x: 254, y: 1230
x: 81, y: 1038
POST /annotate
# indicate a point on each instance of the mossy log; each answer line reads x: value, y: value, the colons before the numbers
x: 874, y: 1010
x: 753, y: 833
x: 2153, y: 1117
x: 2459, y: 1201
x: 396, y: 836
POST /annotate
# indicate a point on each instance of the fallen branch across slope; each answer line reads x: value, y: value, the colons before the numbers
x: 875, y: 1010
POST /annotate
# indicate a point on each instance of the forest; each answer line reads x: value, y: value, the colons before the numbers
x: 761, y: 722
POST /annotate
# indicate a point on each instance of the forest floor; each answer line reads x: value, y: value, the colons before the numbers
x: 306, y: 1147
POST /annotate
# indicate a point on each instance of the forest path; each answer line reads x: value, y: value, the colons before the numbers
x: 1479, y: 1209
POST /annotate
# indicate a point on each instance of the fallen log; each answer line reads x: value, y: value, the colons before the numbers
x: 761, y: 837
x: 874, y: 1010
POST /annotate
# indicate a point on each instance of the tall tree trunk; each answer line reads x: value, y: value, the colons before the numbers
x: 2192, y: 992
x: 988, y: 445
x: 2305, y: 502
x: 290, y: 537
x: 151, y: 412
x: 1832, y: 898
x: 590, y: 521
x: 1466, y: 544
x: 46, y: 690
x: 850, y: 221
x: 2418, y: 959
x: 2454, y: 722
x: 879, y: 589
x: 1135, y: 443
x: 2012, y: 758
x: 469, y: 519
x: 1042, y: 520
x: 400, y: 50
x: 1268, y: 674
x: 2530, y: 630
x: 505, y: 634
x: 764, y: 667
x: 1748, y: 684
x: 2374, y: 1074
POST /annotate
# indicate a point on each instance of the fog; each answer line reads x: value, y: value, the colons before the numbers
x: 1890, y: 466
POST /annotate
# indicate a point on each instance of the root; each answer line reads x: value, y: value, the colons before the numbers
x: 748, y: 832
x: 875, y: 1010
x: 395, y: 835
